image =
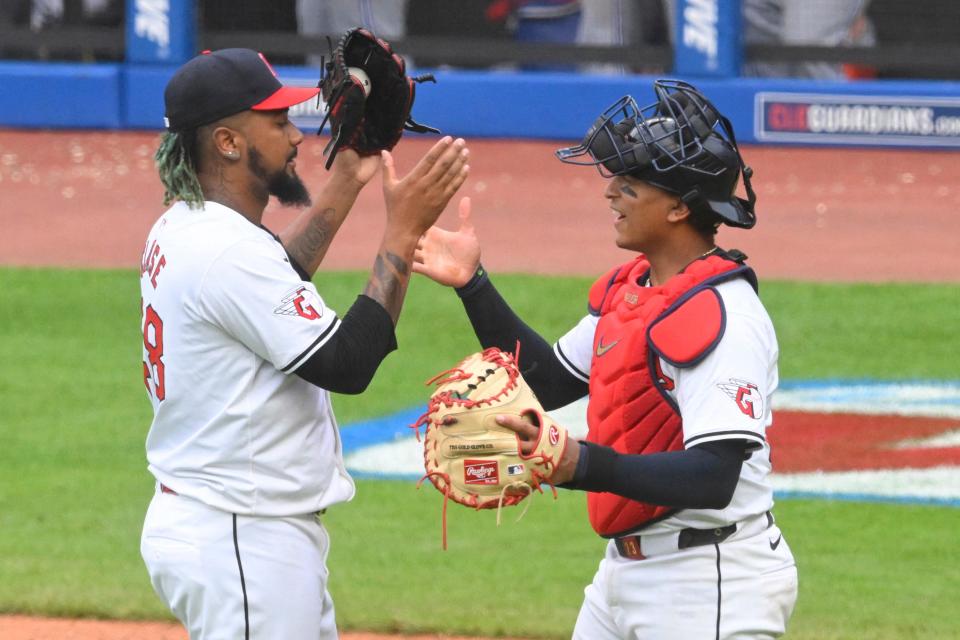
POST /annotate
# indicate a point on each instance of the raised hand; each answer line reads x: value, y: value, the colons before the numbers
x: 350, y: 165
x: 449, y: 257
x: 415, y: 201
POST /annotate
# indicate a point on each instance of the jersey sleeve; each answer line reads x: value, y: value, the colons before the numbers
x: 727, y: 395
x: 575, y: 348
x: 253, y: 293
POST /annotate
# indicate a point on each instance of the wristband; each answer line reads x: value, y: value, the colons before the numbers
x: 475, y: 283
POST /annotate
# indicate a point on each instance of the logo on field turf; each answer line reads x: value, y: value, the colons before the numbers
x: 887, y: 441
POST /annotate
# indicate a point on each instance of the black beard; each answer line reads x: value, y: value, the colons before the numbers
x: 287, y: 188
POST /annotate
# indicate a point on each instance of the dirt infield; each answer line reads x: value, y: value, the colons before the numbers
x: 80, y: 199
x: 29, y: 628
x: 89, y: 198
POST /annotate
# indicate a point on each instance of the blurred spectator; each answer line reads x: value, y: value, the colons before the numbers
x: 825, y: 23
x: 441, y: 19
x: 385, y: 18
x: 556, y: 21
x: 612, y: 23
x: 49, y: 13
x: 251, y: 15
x: 622, y: 23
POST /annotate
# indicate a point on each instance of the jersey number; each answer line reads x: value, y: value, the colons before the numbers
x: 153, y: 369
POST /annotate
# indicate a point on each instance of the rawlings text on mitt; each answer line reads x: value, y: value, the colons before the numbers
x: 368, y: 96
x: 468, y: 456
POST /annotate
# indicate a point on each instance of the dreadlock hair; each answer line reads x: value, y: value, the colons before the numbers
x: 177, y: 165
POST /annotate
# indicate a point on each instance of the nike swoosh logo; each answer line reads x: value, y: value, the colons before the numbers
x: 603, y: 348
x: 776, y: 543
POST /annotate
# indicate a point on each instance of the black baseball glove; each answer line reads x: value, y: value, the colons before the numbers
x: 368, y: 111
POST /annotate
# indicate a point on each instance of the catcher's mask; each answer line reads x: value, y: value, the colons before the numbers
x: 674, y: 144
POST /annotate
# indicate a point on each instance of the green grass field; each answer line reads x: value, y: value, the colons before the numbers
x: 74, y: 485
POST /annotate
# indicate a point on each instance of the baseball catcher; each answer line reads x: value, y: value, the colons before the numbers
x: 678, y: 360
x: 467, y: 454
x: 368, y: 96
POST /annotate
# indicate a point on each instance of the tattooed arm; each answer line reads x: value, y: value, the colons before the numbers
x: 348, y: 361
x: 413, y: 204
x: 308, y: 237
x: 388, y: 282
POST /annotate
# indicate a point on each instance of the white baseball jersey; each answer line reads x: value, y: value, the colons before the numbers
x: 726, y: 396
x: 226, y: 320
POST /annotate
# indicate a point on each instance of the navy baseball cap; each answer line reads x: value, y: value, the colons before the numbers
x: 217, y: 84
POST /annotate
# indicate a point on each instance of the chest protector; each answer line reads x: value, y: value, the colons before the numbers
x: 630, y: 410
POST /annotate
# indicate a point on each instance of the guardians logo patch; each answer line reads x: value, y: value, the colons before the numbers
x: 746, y: 395
x: 302, y: 302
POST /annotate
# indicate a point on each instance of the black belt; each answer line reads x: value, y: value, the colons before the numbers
x: 632, y: 546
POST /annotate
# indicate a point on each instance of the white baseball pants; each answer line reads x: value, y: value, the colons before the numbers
x: 743, y: 588
x: 238, y: 577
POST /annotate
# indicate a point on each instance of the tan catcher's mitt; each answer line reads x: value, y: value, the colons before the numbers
x: 468, y: 456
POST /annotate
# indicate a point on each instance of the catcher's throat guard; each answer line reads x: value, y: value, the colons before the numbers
x: 680, y: 143
x: 468, y: 456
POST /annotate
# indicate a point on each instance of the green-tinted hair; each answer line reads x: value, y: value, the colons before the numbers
x: 178, y: 168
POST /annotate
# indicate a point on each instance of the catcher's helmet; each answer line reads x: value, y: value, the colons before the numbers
x: 676, y: 145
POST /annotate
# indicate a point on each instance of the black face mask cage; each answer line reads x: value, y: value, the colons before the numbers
x: 667, y: 134
x: 603, y: 146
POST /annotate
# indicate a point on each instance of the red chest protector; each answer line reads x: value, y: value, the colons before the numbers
x: 681, y: 321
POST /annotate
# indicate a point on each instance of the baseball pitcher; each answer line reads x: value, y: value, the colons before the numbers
x: 240, y: 351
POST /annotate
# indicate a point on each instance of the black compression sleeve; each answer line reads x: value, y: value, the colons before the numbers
x: 701, y: 477
x: 496, y: 325
x: 347, y: 362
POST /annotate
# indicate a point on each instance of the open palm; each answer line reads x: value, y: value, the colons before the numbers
x: 449, y: 257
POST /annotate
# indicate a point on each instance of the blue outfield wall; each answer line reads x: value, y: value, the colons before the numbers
x: 54, y: 95
x: 537, y: 105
